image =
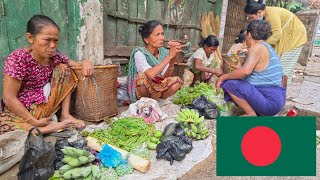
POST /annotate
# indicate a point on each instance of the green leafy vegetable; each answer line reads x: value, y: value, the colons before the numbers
x: 126, y: 133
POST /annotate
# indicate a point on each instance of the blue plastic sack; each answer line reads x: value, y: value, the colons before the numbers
x: 110, y: 157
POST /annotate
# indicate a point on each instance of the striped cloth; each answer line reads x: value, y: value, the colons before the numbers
x: 288, y: 61
x: 272, y: 75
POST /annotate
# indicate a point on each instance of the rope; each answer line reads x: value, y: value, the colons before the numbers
x: 85, y: 81
x: 188, y: 49
x: 188, y: 43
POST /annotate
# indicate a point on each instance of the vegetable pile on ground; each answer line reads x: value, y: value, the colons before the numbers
x: 126, y: 133
x: 187, y: 95
x: 78, y: 165
x: 193, y: 124
x: 154, y: 140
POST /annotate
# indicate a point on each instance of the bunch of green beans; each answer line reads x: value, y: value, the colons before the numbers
x: 125, y: 133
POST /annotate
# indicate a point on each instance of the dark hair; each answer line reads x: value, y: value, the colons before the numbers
x: 210, y: 41
x: 259, y: 30
x: 241, y: 37
x: 253, y: 6
x: 37, y: 22
x: 146, y: 29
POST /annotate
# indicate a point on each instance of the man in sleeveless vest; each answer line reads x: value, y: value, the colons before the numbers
x: 256, y: 87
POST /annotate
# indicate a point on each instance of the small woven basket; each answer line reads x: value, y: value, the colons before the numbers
x: 96, y: 96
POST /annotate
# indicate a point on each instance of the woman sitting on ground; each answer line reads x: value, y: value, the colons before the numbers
x: 203, y: 63
x: 239, y: 43
x: 151, y: 67
x: 28, y: 72
x: 256, y: 87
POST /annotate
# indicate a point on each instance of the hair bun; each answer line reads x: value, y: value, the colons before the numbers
x: 140, y: 30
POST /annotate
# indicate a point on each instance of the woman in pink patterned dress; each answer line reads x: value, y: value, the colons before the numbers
x: 28, y: 72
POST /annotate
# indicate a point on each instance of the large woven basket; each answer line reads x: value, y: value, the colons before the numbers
x: 96, y: 96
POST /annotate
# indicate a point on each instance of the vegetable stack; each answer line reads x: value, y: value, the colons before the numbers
x: 193, y: 124
x: 78, y: 165
x: 125, y: 133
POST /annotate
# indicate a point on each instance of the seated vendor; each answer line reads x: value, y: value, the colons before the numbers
x: 256, y: 87
x: 239, y: 43
x: 203, y: 62
x: 151, y: 67
x: 38, y: 80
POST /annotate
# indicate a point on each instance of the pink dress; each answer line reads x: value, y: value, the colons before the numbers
x: 21, y: 65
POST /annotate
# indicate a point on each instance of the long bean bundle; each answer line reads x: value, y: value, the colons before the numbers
x: 125, y: 133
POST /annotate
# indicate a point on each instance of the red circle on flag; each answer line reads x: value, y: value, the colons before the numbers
x: 261, y: 146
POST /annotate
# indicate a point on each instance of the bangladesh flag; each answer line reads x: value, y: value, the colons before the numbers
x: 266, y: 146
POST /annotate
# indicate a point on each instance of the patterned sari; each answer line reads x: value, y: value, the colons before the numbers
x: 135, y: 79
x: 61, y: 85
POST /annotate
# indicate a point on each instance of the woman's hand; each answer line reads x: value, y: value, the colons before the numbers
x: 218, y: 72
x: 40, y: 123
x: 87, y: 68
x: 175, y: 48
x: 63, y: 68
x: 218, y: 84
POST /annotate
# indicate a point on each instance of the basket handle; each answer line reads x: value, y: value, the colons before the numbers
x: 85, y: 81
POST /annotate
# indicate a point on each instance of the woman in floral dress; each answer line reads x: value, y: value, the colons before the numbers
x: 38, y: 80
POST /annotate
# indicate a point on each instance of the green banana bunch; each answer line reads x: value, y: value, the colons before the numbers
x: 79, y: 172
x: 77, y: 167
x: 193, y: 125
x: 187, y: 115
x: 74, y: 152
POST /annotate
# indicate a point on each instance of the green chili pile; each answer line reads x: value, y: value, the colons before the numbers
x: 125, y: 133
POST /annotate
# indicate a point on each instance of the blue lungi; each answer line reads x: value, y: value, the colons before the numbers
x: 264, y: 100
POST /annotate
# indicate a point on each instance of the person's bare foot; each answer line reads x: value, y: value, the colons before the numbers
x: 78, y: 123
x: 55, y: 127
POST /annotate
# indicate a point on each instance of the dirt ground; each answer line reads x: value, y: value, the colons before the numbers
x: 206, y: 170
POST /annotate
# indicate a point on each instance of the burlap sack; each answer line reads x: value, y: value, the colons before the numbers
x: 11, y: 148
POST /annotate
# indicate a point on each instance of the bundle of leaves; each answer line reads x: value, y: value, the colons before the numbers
x: 126, y: 133
x: 185, y: 96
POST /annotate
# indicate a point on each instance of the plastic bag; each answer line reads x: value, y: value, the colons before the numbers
x: 148, y: 109
x: 200, y: 103
x: 108, y: 174
x: 37, y: 161
x: 110, y: 157
x: 122, y: 95
x: 79, y: 143
x: 211, y: 113
x: 11, y: 148
x: 142, y: 151
x: 174, y: 144
x: 124, y: 169
x: 205, y: 107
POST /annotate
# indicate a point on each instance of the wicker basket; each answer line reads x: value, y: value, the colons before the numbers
x: 227, y: 58
x: 236, y: 20
x: 96, y: 96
